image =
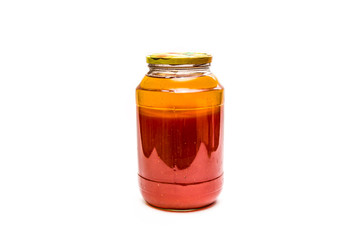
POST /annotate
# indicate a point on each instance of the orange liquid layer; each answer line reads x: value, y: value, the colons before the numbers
x: 179, y: 93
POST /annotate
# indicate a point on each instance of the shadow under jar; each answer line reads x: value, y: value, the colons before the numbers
x: 180, y: 132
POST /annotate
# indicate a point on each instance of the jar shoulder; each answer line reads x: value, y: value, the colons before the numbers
x: 196, y: 82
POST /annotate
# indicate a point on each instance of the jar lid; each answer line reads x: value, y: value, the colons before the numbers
x: 177, y: 58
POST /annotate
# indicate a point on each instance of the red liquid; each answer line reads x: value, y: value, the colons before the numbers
x: 180, y: 156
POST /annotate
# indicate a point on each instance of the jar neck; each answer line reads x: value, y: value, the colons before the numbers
x: 178, y: 71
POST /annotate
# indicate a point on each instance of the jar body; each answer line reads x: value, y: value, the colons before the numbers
x: 180, y: 138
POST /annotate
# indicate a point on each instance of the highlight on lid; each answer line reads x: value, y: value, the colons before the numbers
x: 179, y: 58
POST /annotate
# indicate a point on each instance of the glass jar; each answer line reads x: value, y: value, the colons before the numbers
x: 180, y: 131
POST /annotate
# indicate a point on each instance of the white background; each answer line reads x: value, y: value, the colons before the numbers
x: 68, y: 160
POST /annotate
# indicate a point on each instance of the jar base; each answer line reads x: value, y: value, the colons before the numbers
x: 183, y: 210
x: 180, y: 197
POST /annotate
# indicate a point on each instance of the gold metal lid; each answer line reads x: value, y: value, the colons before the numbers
x: 177, y: 58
